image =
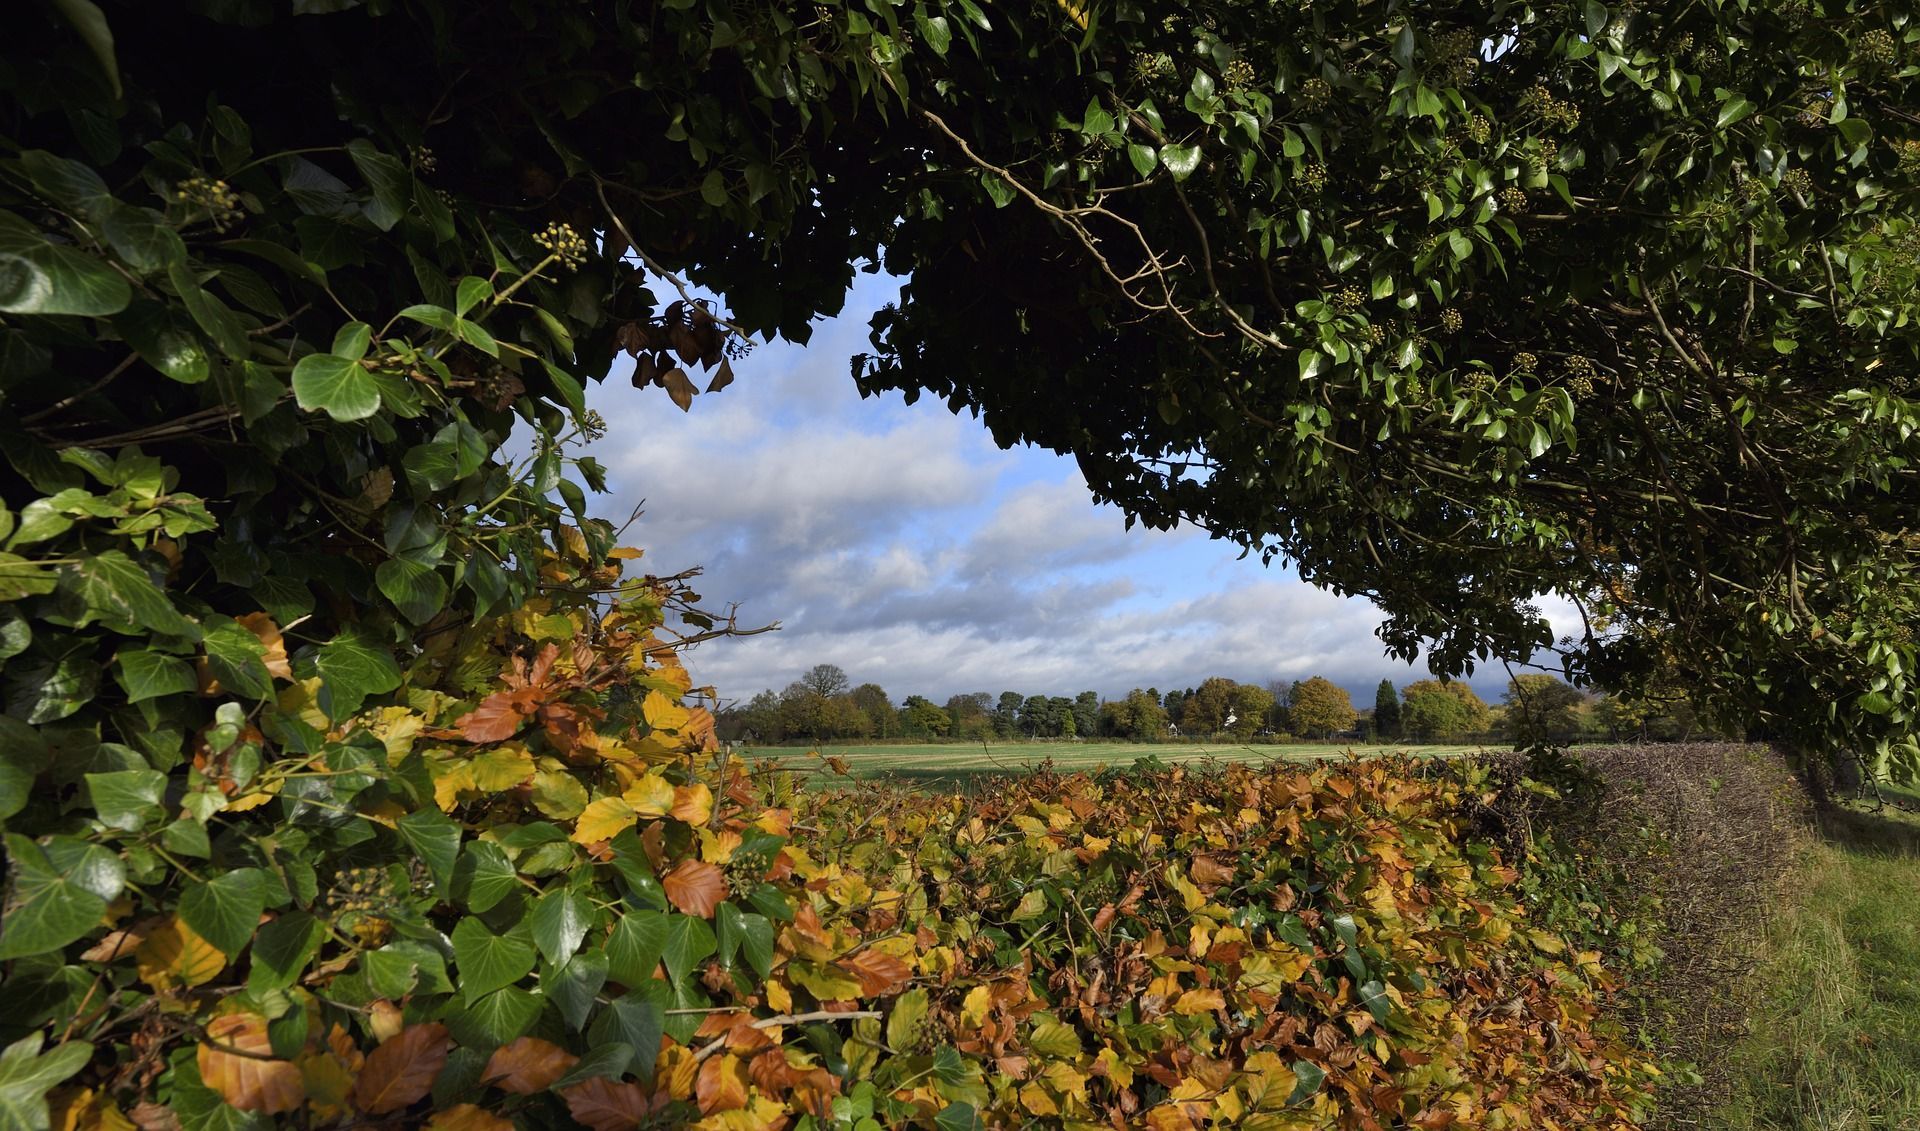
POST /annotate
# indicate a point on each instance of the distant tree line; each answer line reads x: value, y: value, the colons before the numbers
x: 824, y: 705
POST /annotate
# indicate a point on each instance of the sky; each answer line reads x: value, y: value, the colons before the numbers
x: 898, y: 542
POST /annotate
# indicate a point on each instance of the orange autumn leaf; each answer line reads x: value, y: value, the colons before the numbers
x: 879, y: 974
x: 1199, y: 1001
x: 494, y: 720
x: 695, y: 887
x: 401, y: 1070
x: 1208, y: 872
x: 692, y: 804
x: 231, y: 1063
x: 468, y: 1117
x: 262, y: 626
x: 527, y: 1065
x: 721, y: 1085
x: 610, y: 1105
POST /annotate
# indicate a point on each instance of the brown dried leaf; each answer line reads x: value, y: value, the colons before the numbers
x: 879, y: 974
x: 527, y: 1066
x: 241, y: 1076
x: 401, y: 1070
x: 721, y: 1085
x: 468, y: 1117
x: 494, y: 720
x: 695, y: 887
x: 262, y: 626
x: 609, y: 1105
x: 680, y: 387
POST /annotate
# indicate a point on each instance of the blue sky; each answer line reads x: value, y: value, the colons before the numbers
x: 900, y: 543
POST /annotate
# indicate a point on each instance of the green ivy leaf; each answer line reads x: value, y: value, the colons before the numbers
x: 237, y: 658
x: 635, y: 947
x: 60, y: 890
x: 418, y: 591
x: 338, y: 386
x: 226, y: 909
x: 484, y: 876
x: 118, y: 588
x: 1180, y: 160
x: 27, y: 1075
x: 126, y: 799
x: 354, y: 667
x: 559, y: 920
x: 436, y: 840
x: 40, y: 277
x: 282, y: 949
x: 488, y: 962
x: 689, y: 942
x: 390, y: 181
x: 495, y: 1019
x: 573, y: 987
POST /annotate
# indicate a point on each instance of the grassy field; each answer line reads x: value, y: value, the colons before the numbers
x: 1835, y: 1042
x: 954, y: 764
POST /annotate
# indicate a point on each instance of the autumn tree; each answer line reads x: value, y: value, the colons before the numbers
x: 1320, y: 708
x: 1541, y: 710
x: 921, y: 716
x: 825, y: 680
x: 871, y: 700
x: 1434, y: 709
x: 1139, y: 716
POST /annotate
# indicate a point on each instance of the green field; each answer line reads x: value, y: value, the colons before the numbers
x: 953, y: 763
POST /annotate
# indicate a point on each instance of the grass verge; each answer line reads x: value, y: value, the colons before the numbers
x: 1834, y: 1041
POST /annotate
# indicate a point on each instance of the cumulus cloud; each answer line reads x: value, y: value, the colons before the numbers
x: 899, y: 543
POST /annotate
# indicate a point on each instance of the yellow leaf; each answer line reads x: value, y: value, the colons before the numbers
x: 302, y: 701
x: 1199, y: 1001
x: 662, y: 713
x: 718, y: 848
x: 396, y: 728
x: 502, y: 767
x: 450, y: 780
x: 173, y: 955
x: 779, y: 996
x: 603, y: 820
x: 978, y: 1004
x: 825, y: 982
x: 650, y: 796
x: 624, y: 553
x: 558, y: 794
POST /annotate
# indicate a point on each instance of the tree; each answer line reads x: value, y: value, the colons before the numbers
x: 1541, y: 711
x: 1204, y: 710
x: 921, y: 717
x: 971, y: 714
x: 826, y: 679
x: 1250, y: 707
x: 1386, y: 710
x: 1175, y: 706
x: 1433, y: 710
x: 1006, y: 714
x: 1086, y: 713
x: 1139, y: 716
x: 1320, y: 708
x: 872, y: 701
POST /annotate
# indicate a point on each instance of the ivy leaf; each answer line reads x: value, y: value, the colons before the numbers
x: 1307, y: 1078
x: 342, y: 388
x: 27, y: 1075
x: 1180, y: 160
x: 689, y: 942
x: 559, y: 921
x: 436, y: 840
x: 282, y: 949
x: 146, y: 674
x: 226, y: 910
x: 126, y: 799
x: 484, y: 876
x: 573, y: 987
x: 496, y: 1018
x: 487, y: 961
x: 59, y: 892
x: 417, y: 591
x: 354, y: 667
x: 41, y: 277
x: 635, y: 947
x: 237, y: 658
x: 114, y: 586
x: 392, y: 185
x: 1143, y: 157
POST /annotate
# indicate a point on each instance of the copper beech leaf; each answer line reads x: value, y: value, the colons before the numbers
x: 236, y: 1060
x: 528, y: 1065
x: 400, y: 1072
x: 468, y: 1117
x: 695, y: 887
x: 609, y: 1105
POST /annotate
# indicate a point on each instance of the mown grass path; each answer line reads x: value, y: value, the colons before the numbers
x: 1835, y: 1040
x: 955, y: 764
